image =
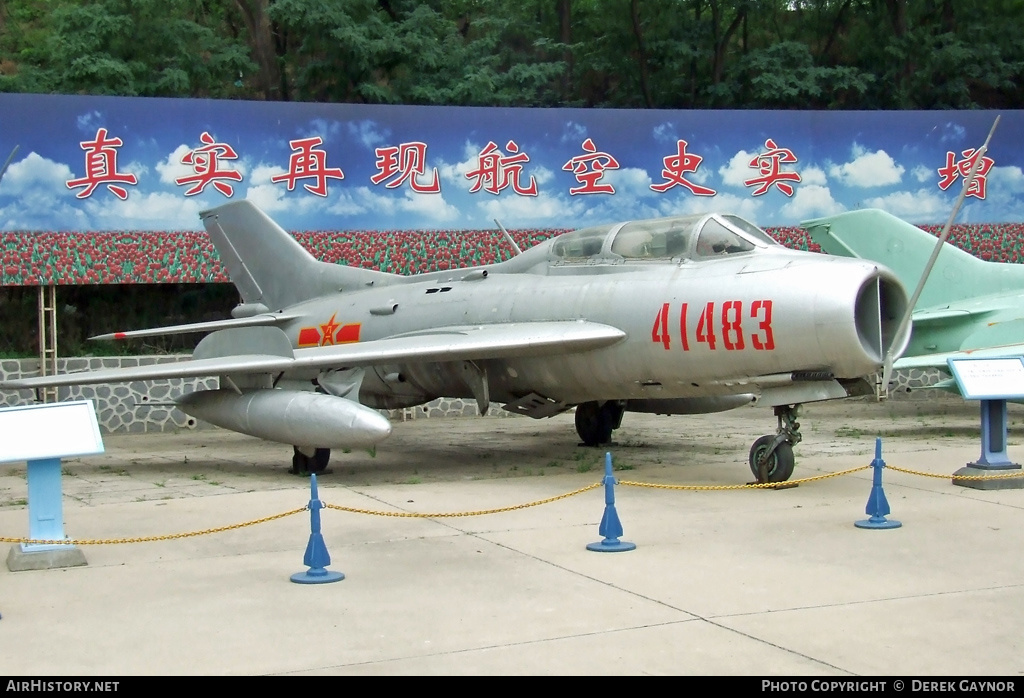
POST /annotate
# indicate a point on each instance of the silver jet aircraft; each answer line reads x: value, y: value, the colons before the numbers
x: 681, y: 315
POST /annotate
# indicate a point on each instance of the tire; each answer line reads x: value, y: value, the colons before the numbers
x: 318, y: 463
x: 303, y: 464
x: 594, y: 424
x: 300, y: 462
x: 780, y: 463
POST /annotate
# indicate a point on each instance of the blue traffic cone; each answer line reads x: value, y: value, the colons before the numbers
x: 316, y: 558
x: 878, y: 505
x: 611, y: 527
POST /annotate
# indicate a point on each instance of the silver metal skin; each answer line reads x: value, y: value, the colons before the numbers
x: 678, y: 315
x: 290, y: 416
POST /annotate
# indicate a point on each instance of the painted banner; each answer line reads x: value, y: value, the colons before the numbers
x: 112, y: 164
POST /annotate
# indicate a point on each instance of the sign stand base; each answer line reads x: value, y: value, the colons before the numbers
x: 24, y: 557
x: 994, y: 459
x: 993, y: 382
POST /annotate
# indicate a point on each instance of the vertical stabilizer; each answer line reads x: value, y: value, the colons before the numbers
x: 268, y: 266
x: 904, y: 248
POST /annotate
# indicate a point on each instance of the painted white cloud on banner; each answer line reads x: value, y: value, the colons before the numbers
x: 89, y: 122
x: 35, y: 171
x: 368, y: 133
x: 737, y: 169
x: 919, y: 206
x: 434, y: 207
x: 812, y: 175
x: 868, y: 169
x: 523, y: 211
x: 34, y: 196
x: 152, y: 211
x: 810, y: 202
x: 923, y: 174
x: 323, y: 128
x: 743, y: 206
x: 573, y: 132
x: 172, y: 168
x: 665, y: 133
x: 1003, y: 186
x: 952, y: 133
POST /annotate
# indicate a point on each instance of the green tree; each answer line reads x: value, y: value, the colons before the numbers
x: 787, y: 54
x: 482, y: 52
x: 123, y: 47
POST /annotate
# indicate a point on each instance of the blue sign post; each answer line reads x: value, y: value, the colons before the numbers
x: 41, y: 435
x: 993, y: 382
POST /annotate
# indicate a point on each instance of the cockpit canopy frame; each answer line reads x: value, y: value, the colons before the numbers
x: 679, y: 238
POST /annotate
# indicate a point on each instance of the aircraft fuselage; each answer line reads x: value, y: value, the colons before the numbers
x: 690, y: 327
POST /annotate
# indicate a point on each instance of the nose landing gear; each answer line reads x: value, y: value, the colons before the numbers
x: 771, y: 456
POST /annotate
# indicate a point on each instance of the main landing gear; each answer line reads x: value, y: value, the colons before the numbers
x: 303, y: 464
x: 595, y: 421
x: 771, y: 456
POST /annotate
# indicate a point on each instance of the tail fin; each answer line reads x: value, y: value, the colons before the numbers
x: 905, y: 248
x: 267, y: 265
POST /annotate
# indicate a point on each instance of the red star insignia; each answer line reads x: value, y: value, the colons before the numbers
x: 328, y: 331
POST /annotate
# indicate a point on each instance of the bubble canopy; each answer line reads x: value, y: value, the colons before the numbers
x: 694, y: 236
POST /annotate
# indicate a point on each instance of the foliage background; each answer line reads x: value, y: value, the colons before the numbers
x: 788, y: 54
x: 677, y: 54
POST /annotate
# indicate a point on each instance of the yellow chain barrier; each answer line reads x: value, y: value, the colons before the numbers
x: 484, y: 512
x: 1004, y: 476
x: 748, y: 486
x: 150, y: 539
x: 460, y: 514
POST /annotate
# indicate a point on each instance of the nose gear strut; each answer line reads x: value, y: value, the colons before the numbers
x: 771, y: 456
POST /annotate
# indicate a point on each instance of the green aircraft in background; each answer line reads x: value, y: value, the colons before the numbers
x: 967, y: 307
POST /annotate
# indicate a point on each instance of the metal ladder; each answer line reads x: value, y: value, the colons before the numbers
x: 47, y: 339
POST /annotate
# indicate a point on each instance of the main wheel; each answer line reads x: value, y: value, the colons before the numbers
x: 595, y: 423
x: 303, y: 464
x: 299, y: 462
x: 318, y: 463
x: 780, y: 462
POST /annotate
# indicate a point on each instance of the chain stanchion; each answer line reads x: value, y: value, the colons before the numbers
x: 878, y: 505
x: 485, y: 512
x: 611, y: 527
x: 316, y: 558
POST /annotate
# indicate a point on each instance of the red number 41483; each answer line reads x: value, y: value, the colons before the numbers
x: 718, y: 326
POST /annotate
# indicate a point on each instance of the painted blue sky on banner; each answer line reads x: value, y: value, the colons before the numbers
x: 111, y: 163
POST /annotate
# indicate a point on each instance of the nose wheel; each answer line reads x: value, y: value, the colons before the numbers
x: 771, y: 456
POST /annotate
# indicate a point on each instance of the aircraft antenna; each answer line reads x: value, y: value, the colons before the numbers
x: 10, y: 157
x: 508, y: 237
x: 905, y: 320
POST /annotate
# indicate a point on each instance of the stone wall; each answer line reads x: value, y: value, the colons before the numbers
x: 134, y: 407
x: 139, y: 407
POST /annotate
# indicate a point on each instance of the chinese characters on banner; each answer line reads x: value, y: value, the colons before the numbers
x: 952, y: 170
x: 101, y: 167
x: 495, y: 169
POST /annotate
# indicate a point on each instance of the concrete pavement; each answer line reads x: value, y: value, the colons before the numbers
x: 723, y: 582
